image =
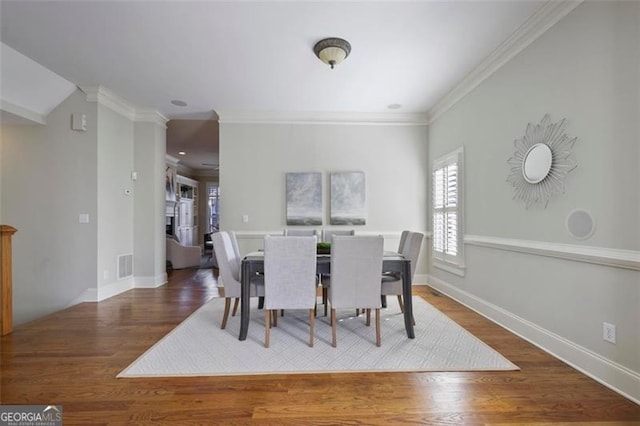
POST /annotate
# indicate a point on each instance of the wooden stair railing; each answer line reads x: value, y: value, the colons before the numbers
x: 6, y: 292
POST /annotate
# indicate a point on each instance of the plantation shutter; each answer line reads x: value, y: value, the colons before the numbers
x: 447, y: 209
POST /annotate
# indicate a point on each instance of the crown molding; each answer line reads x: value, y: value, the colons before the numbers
x: 537, y: 24
x: 207, y: 173
x: 151, y: 116
x: 172, y: 161
x: 23, y: 113
x: 111, y: 100
x: 291, y: 117
x: 106, y: 97
x: 183, y: 169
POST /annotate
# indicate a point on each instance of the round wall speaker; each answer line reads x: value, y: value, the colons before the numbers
x: 580, y: 224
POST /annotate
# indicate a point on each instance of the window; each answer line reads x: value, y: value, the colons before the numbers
x: 212, y: 206
x: 448, y: 212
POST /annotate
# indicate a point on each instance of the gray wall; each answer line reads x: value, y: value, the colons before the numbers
x: 149, y: 204
x: 48, y: 178
x: 586, y: 69
x: 50, y: 175
x: 254, y: 159
x: 115, y: 208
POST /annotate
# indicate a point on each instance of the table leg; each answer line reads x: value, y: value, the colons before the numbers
x: 245, y: 300
x: 408, y: 300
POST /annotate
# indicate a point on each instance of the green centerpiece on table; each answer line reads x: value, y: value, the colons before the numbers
x: 324, y: 248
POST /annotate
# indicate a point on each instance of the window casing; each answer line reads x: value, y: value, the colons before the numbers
x: 447, y: 212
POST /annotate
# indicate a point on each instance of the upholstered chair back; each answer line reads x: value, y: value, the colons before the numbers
x: 290, y: 272
x: 228, y: 263
x: 290, y: 232
x: 356, y: 266
x: 411, y: 249
x: 328, y: 234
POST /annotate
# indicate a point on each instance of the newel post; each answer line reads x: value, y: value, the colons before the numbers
x: 6, y: 293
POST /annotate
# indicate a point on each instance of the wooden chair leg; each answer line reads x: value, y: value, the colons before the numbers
x: 333, y: 326
x: 378, y: 339
x: 368, y: 317
x: 235, y: 306
x: 400, y: 303
x: 312, y: 323
x: 267, y: 326
x: 227, y: 305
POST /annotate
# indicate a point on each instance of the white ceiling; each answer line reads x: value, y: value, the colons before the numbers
x: 256, y: 56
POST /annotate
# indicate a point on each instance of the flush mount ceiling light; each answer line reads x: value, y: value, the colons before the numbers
x: 332, y: 51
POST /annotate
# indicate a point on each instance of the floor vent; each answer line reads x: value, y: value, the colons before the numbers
x: 125, y: 266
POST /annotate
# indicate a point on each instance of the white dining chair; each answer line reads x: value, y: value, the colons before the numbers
x: 229, y: 273
x: 403, y: 240
x: 290, y: 232
x: 356, y: 265
x: 327, y: 237
x: 289, y: 278
x: 392, y: 283
x: 327, y: 234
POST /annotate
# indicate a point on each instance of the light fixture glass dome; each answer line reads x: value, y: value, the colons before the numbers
x: 332, y: 51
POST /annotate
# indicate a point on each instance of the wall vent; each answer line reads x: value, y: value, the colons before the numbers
x: 125, y: 266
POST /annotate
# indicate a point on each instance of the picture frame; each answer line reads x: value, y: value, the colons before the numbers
x: 304, y: 199
x: 348, y: 198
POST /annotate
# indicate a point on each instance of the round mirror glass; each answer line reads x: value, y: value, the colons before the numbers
x: 537, y: 163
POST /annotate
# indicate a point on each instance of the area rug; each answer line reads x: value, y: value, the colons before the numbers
x: 198, y: 347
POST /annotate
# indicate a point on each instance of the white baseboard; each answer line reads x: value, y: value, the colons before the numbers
x: 89, y: 295
x: 103, y: 292
x: 93, y: 294
x: 150, y: 282
x: 614, y: 376
x: 420, y: 279
x: 114, y: 288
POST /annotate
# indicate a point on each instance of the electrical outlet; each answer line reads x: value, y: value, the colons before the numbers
x: 609, y: 332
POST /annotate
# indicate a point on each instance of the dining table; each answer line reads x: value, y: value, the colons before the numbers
x: 392, y: 262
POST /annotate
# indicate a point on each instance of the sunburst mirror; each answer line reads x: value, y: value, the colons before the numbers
x: 541, y: 162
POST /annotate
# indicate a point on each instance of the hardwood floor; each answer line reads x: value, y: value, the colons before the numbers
x: 72, y: 358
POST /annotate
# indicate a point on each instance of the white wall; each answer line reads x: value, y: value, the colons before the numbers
x: 48, y: 179
x: 585, y: 69
x: 254, y: 159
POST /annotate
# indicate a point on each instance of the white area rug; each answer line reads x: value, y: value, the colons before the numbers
x: 198, y: 347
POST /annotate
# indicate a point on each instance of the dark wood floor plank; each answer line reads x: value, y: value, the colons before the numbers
x: 72, y: 358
